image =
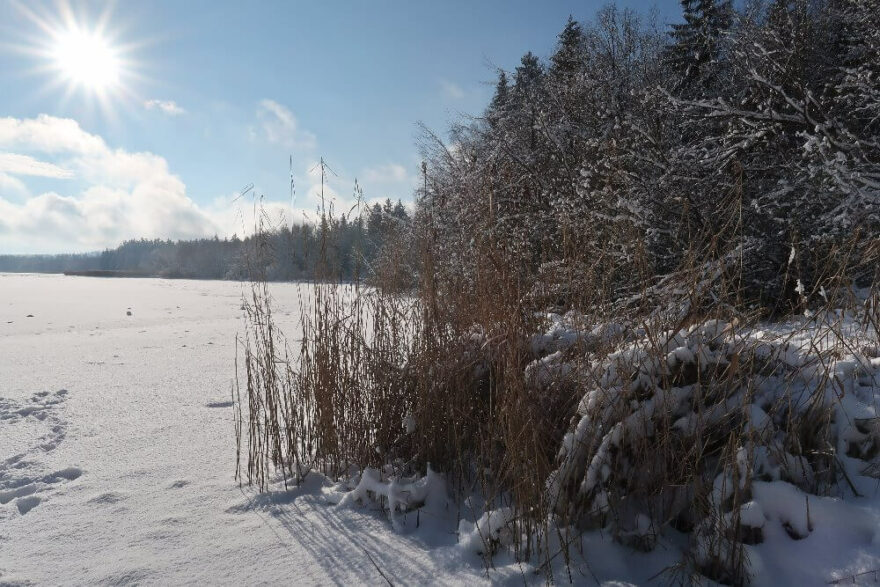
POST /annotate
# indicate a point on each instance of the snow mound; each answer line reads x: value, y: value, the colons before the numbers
x: 487, y: 534
x: 398, y: 495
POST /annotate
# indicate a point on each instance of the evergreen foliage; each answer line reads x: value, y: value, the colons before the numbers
x: 752, y: 132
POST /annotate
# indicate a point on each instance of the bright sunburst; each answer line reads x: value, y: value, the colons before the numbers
x: 80, y: 53
x: 87, y: 60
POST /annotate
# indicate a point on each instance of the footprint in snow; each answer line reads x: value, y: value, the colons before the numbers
x: 28, y: 492
x: 110, y: 497
x: 69, y: 474
x: 17, y: 492
x: 21, y: 483
x: 39, y: 406
x: 26, y: 504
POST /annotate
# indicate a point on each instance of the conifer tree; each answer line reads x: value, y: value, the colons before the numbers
x: 695, y: 51
x: 498, y: 106
x: 569, y: 55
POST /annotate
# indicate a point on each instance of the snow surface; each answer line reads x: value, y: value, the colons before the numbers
x: 117, y: 458
x: 117, y: 452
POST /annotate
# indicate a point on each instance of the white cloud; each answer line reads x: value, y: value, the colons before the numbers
x: 388, y: 173
x: 169, y: 107
x: 48, y: 134
x: 12, y: 187
x: 116, y: 194
x: 451, y: 90
x: 16, y: 164
x: 280, y: 127
x: 119, y: 195
x: 235, y: 215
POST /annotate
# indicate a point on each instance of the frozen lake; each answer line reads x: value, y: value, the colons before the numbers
x: 117, y: 450
x: 117, y: 456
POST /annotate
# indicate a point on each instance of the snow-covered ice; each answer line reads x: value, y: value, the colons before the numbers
x: 117, y: 451
x: 117, y: 455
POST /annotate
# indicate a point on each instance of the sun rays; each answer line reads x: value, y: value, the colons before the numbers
x: 80, y: 56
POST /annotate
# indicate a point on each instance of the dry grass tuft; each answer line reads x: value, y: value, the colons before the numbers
x: 658, y: 407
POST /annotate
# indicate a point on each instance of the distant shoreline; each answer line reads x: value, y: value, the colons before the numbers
x: 147, y: 275
x: 109, y: 273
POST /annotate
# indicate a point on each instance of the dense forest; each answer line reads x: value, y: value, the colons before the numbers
x: 343, y: 247
x: 745, y: 136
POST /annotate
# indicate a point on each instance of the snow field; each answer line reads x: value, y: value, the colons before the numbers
x: 117, y: 452
x: 117, y: 459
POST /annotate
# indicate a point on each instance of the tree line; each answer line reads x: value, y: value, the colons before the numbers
x: 344, y: 247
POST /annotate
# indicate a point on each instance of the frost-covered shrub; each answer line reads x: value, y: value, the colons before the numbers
x: 675, y: 429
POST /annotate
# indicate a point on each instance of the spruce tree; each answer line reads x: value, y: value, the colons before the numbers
x: 498, y: 105
x: 695, y: 50
x: 568, y: 58
x: 527, y: 79
x: 526, y: 90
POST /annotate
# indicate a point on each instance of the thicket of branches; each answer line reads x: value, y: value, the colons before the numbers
x: 673, y: 190
x: 751, y: 132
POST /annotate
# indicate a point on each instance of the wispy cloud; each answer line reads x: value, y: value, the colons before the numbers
x: 169, y: 107
x: 388, y: 173
x: 451, y: 90
x: 12, y: 187
x: 280, y: 127
x: 16, y: 164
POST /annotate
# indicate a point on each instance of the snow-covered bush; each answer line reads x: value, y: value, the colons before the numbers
x: 641, y: 195
x: 676, y: 427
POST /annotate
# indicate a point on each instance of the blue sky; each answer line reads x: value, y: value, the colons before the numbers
x: 213, y: 95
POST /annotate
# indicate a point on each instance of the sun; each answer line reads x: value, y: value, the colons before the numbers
x: 87, y: 54
x: 86, y: 59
